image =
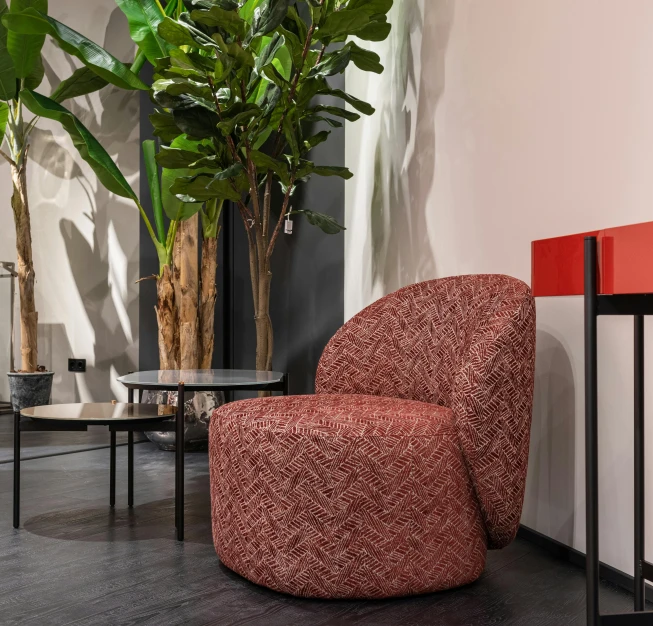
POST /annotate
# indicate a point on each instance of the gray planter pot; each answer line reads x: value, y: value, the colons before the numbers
x: 30, y: 389
x: 197, y: 414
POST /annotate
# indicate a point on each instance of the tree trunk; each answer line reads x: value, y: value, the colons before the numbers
x: 28, y: 314
x: 166, y: 315
x: 208, y: 296
x: 189, y: 287
x: 264, y: 338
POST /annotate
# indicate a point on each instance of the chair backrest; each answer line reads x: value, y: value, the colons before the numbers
x: 467, y: 343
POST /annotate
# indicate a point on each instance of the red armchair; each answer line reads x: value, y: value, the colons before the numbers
x: 408, y: 463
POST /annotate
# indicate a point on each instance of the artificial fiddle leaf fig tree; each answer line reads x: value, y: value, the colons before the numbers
x: 243, y: 83
x: 24, y: 25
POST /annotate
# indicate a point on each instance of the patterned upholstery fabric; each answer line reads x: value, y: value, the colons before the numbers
x: 467, y: 343
x: 343, y: 496
x: 408, y: 463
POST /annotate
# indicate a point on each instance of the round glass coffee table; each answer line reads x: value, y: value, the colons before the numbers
x: 197, y: 380
x: 119, y: 417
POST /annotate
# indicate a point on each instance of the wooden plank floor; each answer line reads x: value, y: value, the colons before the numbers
x: 75, y: 561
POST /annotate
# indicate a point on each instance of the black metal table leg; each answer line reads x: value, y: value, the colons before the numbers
x: 130, y: 457
x: 179, y: 464
x: 591, y: 438
x: 286, y: 385
x: 130, y: 468
x: 16, y: 469
x: 639, y: 462
x: 112, y: 470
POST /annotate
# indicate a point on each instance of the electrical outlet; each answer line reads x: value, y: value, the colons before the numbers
x: 76, y: 365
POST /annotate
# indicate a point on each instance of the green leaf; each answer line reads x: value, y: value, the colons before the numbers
x: 325, y: 222
x: 175, y: 208
x: 183, y: 86
x: 316, y: 139
x: 88, y: 146
x: 25, y: 48
x: 247, y: 10
x: 217, y: 17
x: 342, y: 22
x: 267, y: 16
x: 365, y: 60
x: 7, y: 70
x: 372, y: 7
x: 227, y: 5
x: 32, y: 22
x: 81, y: 82
x: 35, y: 77
x: 205, y: 187
x: 4, y: 116
x: 181, y: 34
x: 197, y: 122
x: 164, y: 126
x: 176, y: 158
x: 376, y: 30
x: 152, y: 172
x: 337, y: 111
x: 363, y: 107
x: 144, y: 17
x: 266, y: 162
x: 241, y: 56
x: 329, y: 170
x: 320, y: 118
x: 332, y: 63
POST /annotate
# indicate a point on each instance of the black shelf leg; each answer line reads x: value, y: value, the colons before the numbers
x: 112, y: 470
x: 179, y: 464
x: 16, y: 469
x: 591, y: 438
x: 639, y: 462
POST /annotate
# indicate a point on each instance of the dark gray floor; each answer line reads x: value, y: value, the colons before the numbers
x: 74, y: 561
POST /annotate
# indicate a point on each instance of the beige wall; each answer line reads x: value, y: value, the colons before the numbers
x: 85, y: 239
x: 498, y: 123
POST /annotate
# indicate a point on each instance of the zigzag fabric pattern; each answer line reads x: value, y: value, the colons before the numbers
x: 343, y: 496
x: 467, y: 343
x: 408, y: 463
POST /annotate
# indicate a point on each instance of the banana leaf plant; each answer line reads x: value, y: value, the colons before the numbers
x: 186, y: 295
x: 240, y: 78
x: 24, y: 24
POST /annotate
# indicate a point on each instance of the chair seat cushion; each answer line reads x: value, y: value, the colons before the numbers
x: 343, y: 496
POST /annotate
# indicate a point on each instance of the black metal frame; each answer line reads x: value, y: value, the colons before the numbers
x: 637, y: 305
x: 180, y: 388
x: 26, y: 423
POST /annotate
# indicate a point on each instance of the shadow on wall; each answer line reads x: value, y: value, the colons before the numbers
x: 404, y: 160
x: 105, y: 269
x: 551, y: 467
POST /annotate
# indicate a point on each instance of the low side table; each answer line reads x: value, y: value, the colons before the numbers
x: 198, y: 380
x: 119, y: 417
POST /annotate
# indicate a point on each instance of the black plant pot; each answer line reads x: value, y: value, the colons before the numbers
x: 30, y: 389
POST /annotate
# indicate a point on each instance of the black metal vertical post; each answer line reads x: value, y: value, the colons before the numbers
x: 112, y: 470
x: 591, y: 435
x: 286, y: 384
x: 16, y: 469
x: 639, y: 462
x: 130, y: 458
x: 179, y: 464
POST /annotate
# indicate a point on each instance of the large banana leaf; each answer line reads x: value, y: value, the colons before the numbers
x: 81, y: 82
x: 88, y: 146
x: 144, y: 17
x: 7, y: 70
x: 32, y: 22
x: 25, y: 48
x: 152, y: 171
